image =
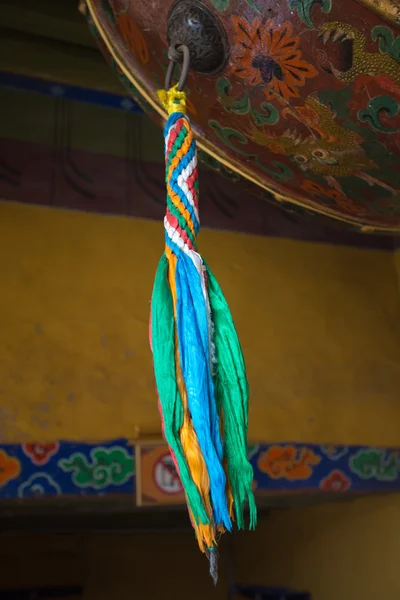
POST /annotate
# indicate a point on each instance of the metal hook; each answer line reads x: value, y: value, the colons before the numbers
x: 174, y: 55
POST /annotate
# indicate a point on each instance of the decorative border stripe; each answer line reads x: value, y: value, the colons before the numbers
x: 102, y: 469
x: 70, y: 92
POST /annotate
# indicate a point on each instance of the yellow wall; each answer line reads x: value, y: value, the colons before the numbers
x: 319, y: 325
x: 338, y: 552
x: 396, y: 258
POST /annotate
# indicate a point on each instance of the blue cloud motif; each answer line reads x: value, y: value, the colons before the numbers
x: 39, y: 484
x: 334, y: 452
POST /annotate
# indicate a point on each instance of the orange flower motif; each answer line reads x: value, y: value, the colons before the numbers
x: 333, y: 197
x: 133, y: 37
x: 10, y: 468
x: 268, y: 55
x: 288, y: 462
x: 326, y: 194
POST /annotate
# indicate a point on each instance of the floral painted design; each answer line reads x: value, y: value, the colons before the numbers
x: 10, y: 468
x: 39, y: 484
x: 133, y: 37
x: 288, y: 462
x: 336, y: 481
x: 40, y: 454
x: 109, y: 469
x: 330, y: 196
x: 268, y: 55
x: 267, y: 114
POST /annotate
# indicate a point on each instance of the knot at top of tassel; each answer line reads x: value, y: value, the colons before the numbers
x: 173, y: 100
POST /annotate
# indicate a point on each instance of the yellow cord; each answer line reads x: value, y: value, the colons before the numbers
x: 173, y: 100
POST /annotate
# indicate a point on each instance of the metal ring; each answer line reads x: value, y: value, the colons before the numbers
x: 173, y: 55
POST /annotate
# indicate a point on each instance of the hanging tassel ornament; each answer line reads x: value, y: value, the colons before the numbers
x: 198, y: 362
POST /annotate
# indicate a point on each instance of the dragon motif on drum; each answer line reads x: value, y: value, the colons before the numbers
x: 307, y: 104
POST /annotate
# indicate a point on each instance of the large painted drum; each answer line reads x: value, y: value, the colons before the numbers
x: 300, y: 97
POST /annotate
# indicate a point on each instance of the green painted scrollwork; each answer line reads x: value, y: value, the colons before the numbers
x: 283, y: 172
x: 388, y: 44
x: 228, y: 135
x: 239, y: 106
x: 303, y: 8
x: 371, y: 114
x: 220, y: 5
x: 268, y: 116
x: 337, y: 100
x: 242, y: 106
x: 254, y: 6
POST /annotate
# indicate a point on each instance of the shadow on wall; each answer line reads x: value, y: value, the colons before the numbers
x: 345, y: 551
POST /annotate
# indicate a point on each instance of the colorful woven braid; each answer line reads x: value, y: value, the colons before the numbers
x: 199, y: 367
